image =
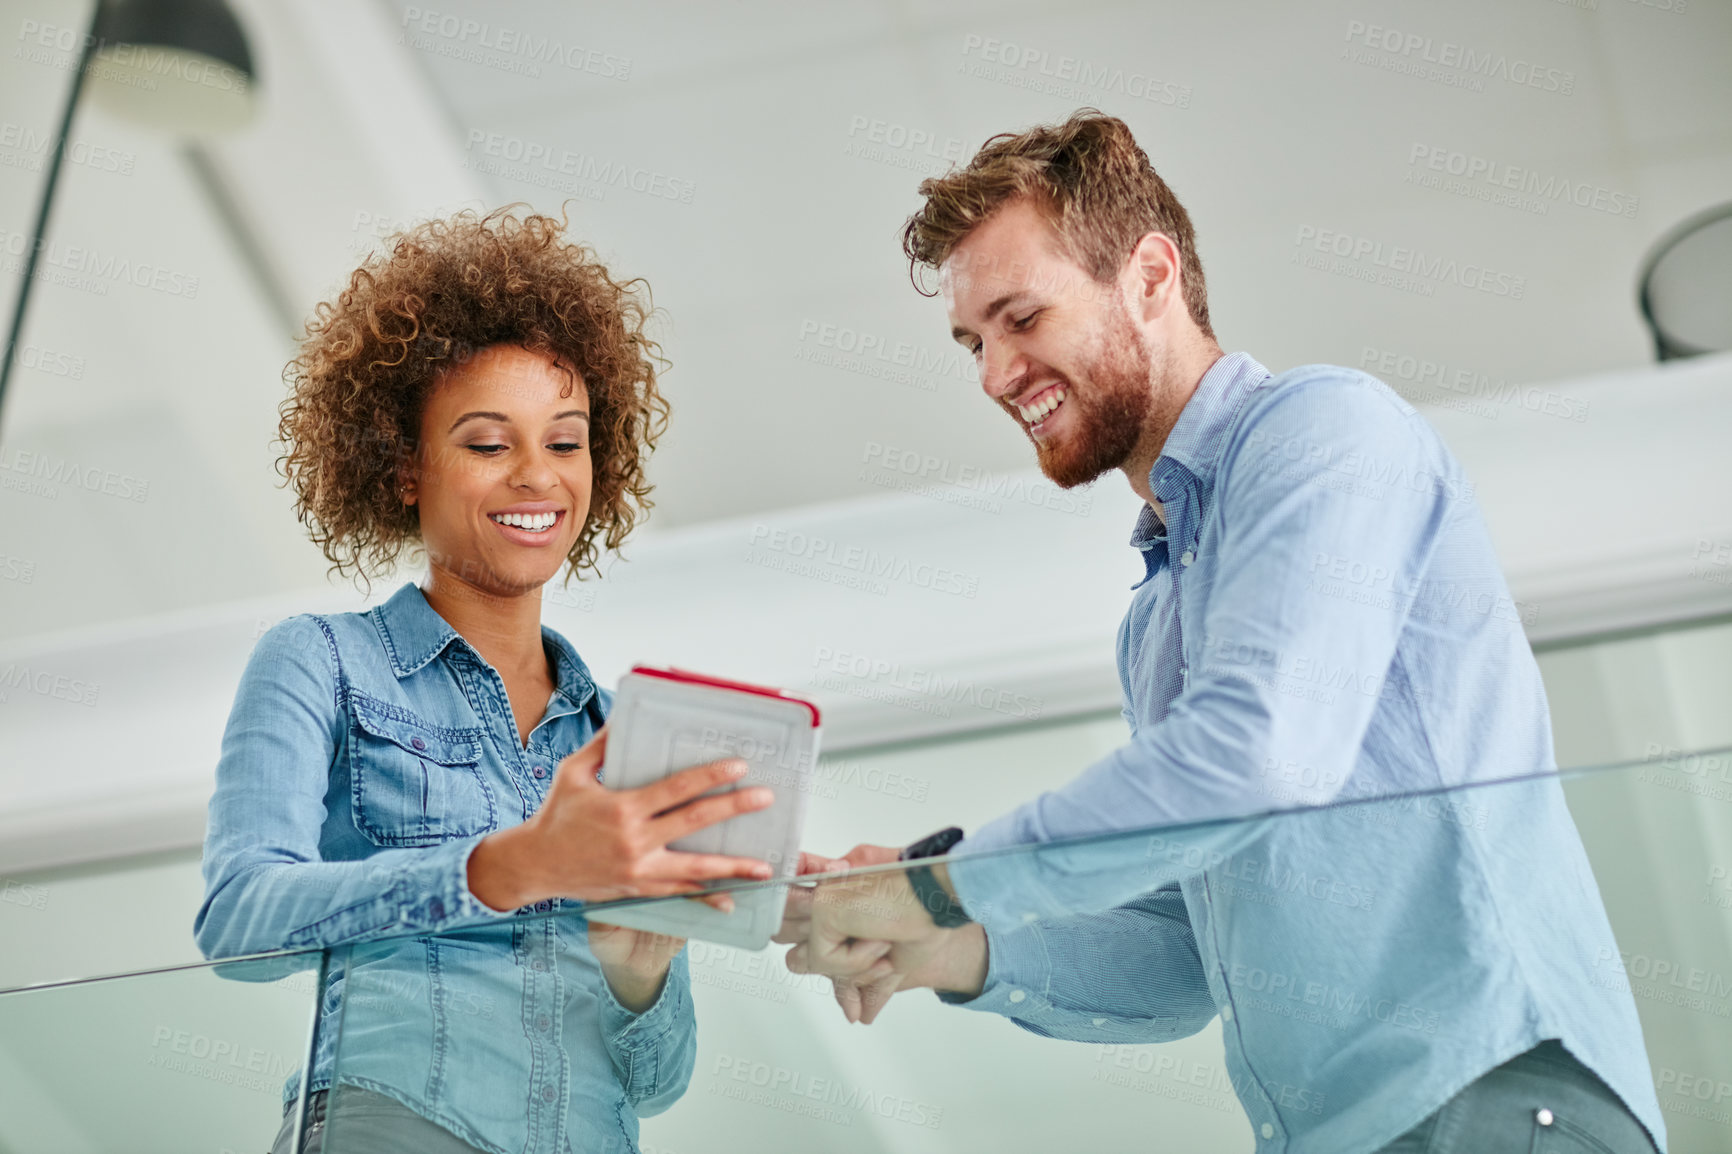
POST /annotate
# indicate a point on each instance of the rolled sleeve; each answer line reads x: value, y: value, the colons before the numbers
x: 654, y: 1050
x: 425, y: 891
x: 1016, y: 960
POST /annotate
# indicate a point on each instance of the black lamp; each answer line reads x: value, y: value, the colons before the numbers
x: 179, y: 66
x: 1686, y: 287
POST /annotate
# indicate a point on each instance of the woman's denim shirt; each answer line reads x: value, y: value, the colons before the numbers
x: 365, y: 757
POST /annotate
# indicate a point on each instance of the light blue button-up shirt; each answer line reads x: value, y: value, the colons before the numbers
x: 1322, y: 620
x: 366, y: 756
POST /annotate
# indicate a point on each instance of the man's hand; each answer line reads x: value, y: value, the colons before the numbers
x: 871, y: 936
x: 796, y: 930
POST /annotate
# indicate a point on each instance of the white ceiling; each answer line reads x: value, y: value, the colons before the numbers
x: 786, y: 231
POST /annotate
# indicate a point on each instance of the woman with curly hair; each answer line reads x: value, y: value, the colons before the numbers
x: 484, y: 392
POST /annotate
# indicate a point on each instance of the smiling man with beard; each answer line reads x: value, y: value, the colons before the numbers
x: 1438, y: 993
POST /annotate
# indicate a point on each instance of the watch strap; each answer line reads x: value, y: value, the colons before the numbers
x: 945, y: 911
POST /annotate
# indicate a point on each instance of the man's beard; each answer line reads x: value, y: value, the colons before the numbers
x: 1108, y: 417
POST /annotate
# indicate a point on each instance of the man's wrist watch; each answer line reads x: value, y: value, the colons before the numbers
x: 946, y: 911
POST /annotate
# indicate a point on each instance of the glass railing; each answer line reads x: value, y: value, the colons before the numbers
x: 196, y: 1057
x: 1312, y: 979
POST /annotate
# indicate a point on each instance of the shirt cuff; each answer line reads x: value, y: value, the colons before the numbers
x: 1016, y: 980
x: 421, y: 891
x: 1015, y: 961
x: 445, y: 901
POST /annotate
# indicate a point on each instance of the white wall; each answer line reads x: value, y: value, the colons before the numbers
x: 768, y: 111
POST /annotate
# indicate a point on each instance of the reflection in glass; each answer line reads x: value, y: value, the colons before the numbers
x: 1176, y: 1013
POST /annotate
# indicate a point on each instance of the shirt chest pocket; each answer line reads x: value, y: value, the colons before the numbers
x: 414, y: 783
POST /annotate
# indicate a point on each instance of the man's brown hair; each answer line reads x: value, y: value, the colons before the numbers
x: 1091, y: 179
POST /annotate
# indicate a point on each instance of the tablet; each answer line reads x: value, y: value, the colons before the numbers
x: 666, y: 720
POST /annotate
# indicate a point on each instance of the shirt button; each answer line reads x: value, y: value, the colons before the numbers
x: 1543, y: 1116
x: 540, y: 772
x: 547, y: 1094
x: 1017, y: 995
x: 1227, y: 1013
x: 436, y: 909
x: 1188, y: 556
x: 538, y: 965
x: 543, y: 1022
x: 1267, y: 1131
x: 418, y: 743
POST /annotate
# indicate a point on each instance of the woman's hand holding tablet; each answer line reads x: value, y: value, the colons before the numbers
x: 596, y: 844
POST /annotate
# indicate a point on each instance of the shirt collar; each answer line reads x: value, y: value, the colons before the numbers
x: 414, y: 634
x: 1200, y: 433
